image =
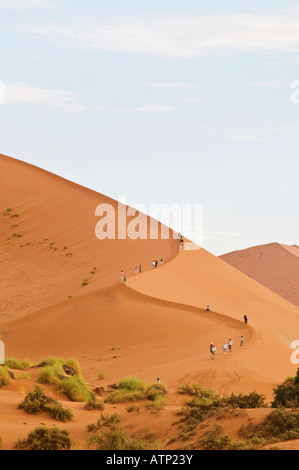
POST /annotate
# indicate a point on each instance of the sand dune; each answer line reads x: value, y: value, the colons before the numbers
x: 156, y: 326
x: 198, y: 278
x: 57, y: 249
x: 275, y: 265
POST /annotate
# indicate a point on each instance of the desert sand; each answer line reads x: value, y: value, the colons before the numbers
x: 275, y: 265
x: 155, y: 326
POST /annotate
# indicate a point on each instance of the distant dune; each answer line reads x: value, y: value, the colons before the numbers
x: 275, y: 265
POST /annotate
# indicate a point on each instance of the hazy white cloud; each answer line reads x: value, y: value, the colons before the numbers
x: 268, y: 84
x: 244, y: 114
x: 244, y: 138
x: 192, y: 100
x: 153, y: 108
x: 172, y: 85
x: 214, y: 234
x: 185, y: 37
x: 24, y: 93
x: 26, y: 4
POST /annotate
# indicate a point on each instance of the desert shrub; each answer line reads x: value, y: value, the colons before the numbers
x: 59, y: 412
x: 133, y: 389
x: 45, y: 438
x: 123, y: 396
x: 214, y: 439
x: 205, y: 403
x: 113, y: 437
x: 65, y: 374
x: 118, y: 439
x: 133, y: 409
x: 158, y: 404
x: 74, y: 388
x: 72, y: 363
x: 296, y: 378
x: 101, y: 376
x: 105, y: 420
x: 94, y: 404
x: 14, y: 363
x: 37, y: 401
x: 284, y: 395
x: 50, y: 374
x: 132, y: 384
x: 24, y: 376
x: 253, y: 443
x: 287, y: 394
x: 253, y: 400
x: 279, y: 425
x: 4, y: 376
x: 192, y: 390
x: 154, y: 391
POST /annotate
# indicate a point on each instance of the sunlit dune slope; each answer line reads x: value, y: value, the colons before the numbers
x: 276, y: 266
x: 48, y: 246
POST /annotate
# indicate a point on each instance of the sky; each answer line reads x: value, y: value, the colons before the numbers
x: 161, y: 102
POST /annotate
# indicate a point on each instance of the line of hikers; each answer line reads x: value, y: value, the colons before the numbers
x: 138, y: 270
x: 226, y: 345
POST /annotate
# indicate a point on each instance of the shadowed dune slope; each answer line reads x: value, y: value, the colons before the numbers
x: 276, y: 266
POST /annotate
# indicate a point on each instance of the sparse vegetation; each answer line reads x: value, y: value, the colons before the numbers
x: 133, y: 389
x: 101, y: 376
x: 45, y: 438
x: 279, y: 425
x: 24, y: 376
x: 287, y: 394
x: 133, y: 409
x: 59, y: 412
x: 66, y: 376
x: 94, y: 404
x: 36, y: 402
x: 74, y: 388
x: 252, y: 400
x: 16, y: 364
x: 113, y: 437
x: 4, y: 376
x: 214, y: 439
x: 206, y: 403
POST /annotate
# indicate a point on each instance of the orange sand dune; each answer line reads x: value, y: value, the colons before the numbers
x: 156, y: 326
x: 276, y: 266
x: 57, y: 248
